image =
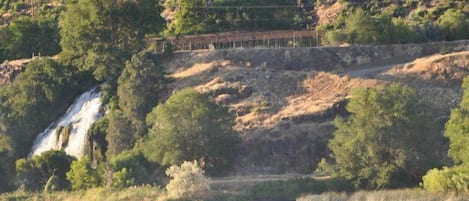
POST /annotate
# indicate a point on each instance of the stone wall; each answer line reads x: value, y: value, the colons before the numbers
x: 320, y: 58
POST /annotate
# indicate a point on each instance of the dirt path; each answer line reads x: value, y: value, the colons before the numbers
x: 261, y: 178
x: 369, y: 71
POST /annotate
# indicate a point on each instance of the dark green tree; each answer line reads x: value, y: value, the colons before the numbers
x: 189, y: 126
x: 389, y: 139
x: 101, y: 35
x: 120, y: 134
x: 6, y: 169
x: 130, y: 168
x: 34, y: 173
x: 27, y: 36
x: 205, y: 16
x: 140, y: 86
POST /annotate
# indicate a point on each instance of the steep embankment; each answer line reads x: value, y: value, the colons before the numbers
x: 284, y: 99
x: 437, y: 78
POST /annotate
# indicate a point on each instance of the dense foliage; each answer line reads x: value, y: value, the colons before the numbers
x: 35, y: 173
x: 102, y: 35
x: 387, y: 141
x: 200, y: 16
x: 131, y: 168
x: 384, y: 22
x: 189, y: 126
x: 140, y: 87
x: 83, y: 175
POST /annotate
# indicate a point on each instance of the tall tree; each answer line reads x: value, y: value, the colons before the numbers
x: 140, y: 86
x: 190, y: 127
x: 120, y: 134
x: 387, y: 141
x: 100, y: 35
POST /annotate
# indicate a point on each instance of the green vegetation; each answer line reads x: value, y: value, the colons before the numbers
x: 36, y: 98
x: 454, y: 179
x: 42, y: 171
x: 101, y: 35
x: 189, y: 126
x: 388, y: 141
x: 131, y: 168
x: 83, y: 176
x: 384, y: 22
x: 139, y: 89
x: 26, y: 36
x: 198, y: 16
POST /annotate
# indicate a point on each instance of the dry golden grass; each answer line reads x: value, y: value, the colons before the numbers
x: 385, y: 195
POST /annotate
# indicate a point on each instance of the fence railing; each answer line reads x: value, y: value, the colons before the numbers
x: 270, y: 39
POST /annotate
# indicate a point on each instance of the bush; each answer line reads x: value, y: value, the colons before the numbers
x: 454, y: 24
x: 454, y: 179
x: 49, y: 167
x: 130, y: 168
x: 187, y: 182
x: 83, y: 176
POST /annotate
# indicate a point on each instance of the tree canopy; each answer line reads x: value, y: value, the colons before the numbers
x: 388, y: 140
x: 101, y: 35
x: 189, y: 126
x: 140, y: 87
x: 201, y: 16
x: 34, y: 173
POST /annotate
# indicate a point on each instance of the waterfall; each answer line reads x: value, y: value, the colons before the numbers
x: 69, y: 132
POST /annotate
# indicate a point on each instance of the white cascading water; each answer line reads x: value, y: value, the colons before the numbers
x: 79, y: 117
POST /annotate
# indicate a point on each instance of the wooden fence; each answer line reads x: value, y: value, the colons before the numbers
x: 269, y: 39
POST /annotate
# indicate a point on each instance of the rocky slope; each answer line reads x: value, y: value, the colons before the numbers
x: 284, y: 111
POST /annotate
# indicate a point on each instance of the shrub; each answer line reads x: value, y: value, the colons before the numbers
x: 454, y: 24
x: 454, y: 179
x: 34, y: 173
x: 130, y: 168
x: 82, y: 175
x: 187, y: 181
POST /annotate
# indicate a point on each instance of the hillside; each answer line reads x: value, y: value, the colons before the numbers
x: 284, y: 111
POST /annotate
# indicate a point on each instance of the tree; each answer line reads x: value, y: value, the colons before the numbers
x: 140, y: 86
x: 34, y: 173
x: 189, y: 126
x: 187, y: 181
x: 388, y: 140
x: 26, y: 36
x: 6, y: 169
x: 120, y: 134
x: 454, y: 24
x: 454, y: 179
x: 204, y: 16
x: 83, y: 176
x: 100, y: 35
